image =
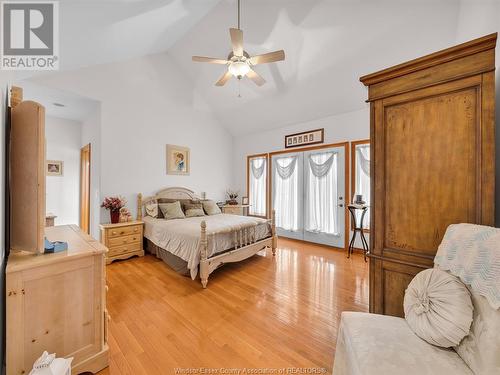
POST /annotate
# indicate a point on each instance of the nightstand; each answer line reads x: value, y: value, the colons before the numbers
x: 236, y: 209
x: 123, y: 240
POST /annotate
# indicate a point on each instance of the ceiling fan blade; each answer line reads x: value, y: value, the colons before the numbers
x: 237, y: 41
x: 222, y: 81
x: 210, y: 60
x: 268, y: 57
x: 255, y: 77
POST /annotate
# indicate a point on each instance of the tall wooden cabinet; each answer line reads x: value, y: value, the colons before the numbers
x: 432, y: 152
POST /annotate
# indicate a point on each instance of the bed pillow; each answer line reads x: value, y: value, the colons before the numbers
x: 438, y: 308
x: 152, y: 209
x: 211, y: 207
x: 172, y: 210
x: 193, y: 209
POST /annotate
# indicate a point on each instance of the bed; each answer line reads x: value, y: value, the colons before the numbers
x: 203, y: 244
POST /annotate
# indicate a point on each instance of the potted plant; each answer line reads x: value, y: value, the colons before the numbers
x: 233, y: 195
x: 114, y: 204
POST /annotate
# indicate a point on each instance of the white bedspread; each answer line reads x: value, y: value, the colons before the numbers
x: 181, y: 237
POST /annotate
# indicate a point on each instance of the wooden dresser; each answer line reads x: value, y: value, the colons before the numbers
x: 433, y: 160
x: 57, y: 302
x: 236, y: 209
x: 123, y: 240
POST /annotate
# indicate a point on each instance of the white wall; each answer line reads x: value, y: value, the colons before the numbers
x: 146, y: 104
x: 478, y: 18
x: 63, y: 192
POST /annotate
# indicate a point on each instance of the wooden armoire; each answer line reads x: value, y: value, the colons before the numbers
x: 432, y: 151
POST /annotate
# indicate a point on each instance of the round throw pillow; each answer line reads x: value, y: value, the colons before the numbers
x: 438, y: 308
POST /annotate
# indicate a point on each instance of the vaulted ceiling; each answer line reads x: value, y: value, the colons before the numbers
x: 329, y: 44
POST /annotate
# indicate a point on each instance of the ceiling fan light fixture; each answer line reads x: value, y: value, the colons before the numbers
x: 239, y: 68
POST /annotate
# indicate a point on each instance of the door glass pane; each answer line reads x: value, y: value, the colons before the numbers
x: 286, y: 192
x: 258, y: 184
x: 362, y: 178
x: 322, y: 193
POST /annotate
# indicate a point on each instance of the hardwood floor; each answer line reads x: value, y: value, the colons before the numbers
x: 264, y: 312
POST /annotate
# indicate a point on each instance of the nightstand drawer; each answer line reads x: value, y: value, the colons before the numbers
x: 118, y: 250
x: 124, y: 231
x: 124, y: 240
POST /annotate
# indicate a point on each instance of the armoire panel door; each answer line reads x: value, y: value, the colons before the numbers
x: 432, y: 165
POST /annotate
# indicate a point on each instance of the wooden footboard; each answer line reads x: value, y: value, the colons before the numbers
x: 246, y: 245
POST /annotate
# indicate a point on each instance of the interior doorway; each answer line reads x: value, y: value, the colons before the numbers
x: 308, y: 190
x: 85, y: 155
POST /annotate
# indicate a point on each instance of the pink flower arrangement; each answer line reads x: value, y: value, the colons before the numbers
x: 113, y: 203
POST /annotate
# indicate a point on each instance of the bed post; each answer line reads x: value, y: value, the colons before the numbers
x: 273, y: 232
x: 203, y: 261
x: 139, y: 207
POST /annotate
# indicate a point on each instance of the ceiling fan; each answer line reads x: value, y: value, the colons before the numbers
x: 239, y: 63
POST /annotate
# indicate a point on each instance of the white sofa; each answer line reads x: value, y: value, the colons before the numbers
x: 371, y: 344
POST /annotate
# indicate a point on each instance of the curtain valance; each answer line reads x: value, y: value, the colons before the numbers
x: 258, y: 170
x: 284, y: 169
x: 363, y: 154
x: 321, y: 169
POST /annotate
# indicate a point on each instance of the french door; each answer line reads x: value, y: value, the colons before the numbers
x: 308, y: 190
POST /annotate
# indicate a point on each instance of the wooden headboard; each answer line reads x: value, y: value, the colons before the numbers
x: 167, y: 193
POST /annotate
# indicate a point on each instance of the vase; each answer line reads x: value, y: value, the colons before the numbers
x: 115, y: 216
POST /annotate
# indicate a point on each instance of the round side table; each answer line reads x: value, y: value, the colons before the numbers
x: 358, y: 228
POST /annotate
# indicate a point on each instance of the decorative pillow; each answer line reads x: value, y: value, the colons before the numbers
x: 172, y: 210
x: 152, y: 209
x: 211, y: 207
x: 438, y: 308
x: 477, y: 348
x: 193, y: 209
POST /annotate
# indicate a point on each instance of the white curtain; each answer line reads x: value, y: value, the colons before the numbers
x: 286, y: 190
x: 257, y: 192
x: 321, y: 193
x: 363, y: 180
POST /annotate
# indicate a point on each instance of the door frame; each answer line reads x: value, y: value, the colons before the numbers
x: 85, y: 179
x: 346, y: 180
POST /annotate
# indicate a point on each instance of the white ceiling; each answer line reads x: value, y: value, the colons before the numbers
x: 102, y: 31
x: 75, y: 107
x: 329, y: 44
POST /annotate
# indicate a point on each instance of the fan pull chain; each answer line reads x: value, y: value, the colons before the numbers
x: 239, y: 14
x: 239, y: 87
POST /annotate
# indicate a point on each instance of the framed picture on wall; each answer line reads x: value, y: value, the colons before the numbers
x: 54, y: 168
x: 244, y: 200
x: 310, y: 137
x: 178, y: 160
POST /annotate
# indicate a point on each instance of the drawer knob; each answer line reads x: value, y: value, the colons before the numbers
x: 113, y: 232
x: 122, y: 232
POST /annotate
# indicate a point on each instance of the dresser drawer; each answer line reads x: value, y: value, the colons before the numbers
x: 123, y: 249
x: 124, y: 231
x: 124, y: 240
